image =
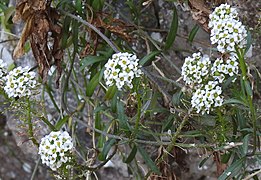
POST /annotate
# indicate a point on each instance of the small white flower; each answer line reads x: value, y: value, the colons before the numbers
x: 226, y: 30
x: 206, y: 98
x: 54, y: 149
x: 20, y: 82
x: 195, y: 69
x: 3, y: 72
x: 223, y: 69
x: 121, y: 69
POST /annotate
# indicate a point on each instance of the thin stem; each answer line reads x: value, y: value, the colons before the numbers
x: 137, y: 123
x: 150, y: 142
x: 30, y: 125
x: 49, y: 92
x: 172, y: 144
x: 242, y: 63
x: 35, y: 169
x: 168, y: 80
x: 222, y: 124
x: 252, y: 175
x: 110, y: 43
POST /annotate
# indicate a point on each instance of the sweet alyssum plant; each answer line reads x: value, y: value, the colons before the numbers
x: 124, y: 110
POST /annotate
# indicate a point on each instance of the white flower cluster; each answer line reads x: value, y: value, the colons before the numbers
x: 195, y: 69
x: 207, y: 97
x: 55, y: 148
x: 203, y: 76
x: 121, y: 69
x: 2, y: 72
x: 223, y: 68
x: 20, y: 82
x: 226, y: 30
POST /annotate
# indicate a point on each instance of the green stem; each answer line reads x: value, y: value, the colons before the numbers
x: 138, y: 115
x: 242, y: 63
x: 222, y: 124
x: 243, y: 68
x: 173, y: 142
x: 30, y: 125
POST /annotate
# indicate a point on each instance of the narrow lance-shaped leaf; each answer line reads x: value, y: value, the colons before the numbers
x: 110, y: 92
x: 233, y: 169
x: 122, y: 116
x: 131, y: 155
x: 61, y: 122
x: 90, y: 60
x: 92, y: 85
x: 173, y: 30
x: 8, y: 13
x: 193, y: 33
x: 249, y: 41
x: 106, y: 148
x: 97, y: 4
x: 203, y: 161
x: 148, y: 58
x: 148, y: 160
x: 75, y: 34
x: 65, y: 34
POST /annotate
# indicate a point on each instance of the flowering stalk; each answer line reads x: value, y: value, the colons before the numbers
x: 30, y: 125
x: 222, y: 124
x: 249, y: 94
x: 138, y: 114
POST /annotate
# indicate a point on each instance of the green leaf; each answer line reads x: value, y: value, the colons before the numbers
x: 110, y: 92
x: 61, y: 122
x: 228, y: 82
x: 90, y: 60
x: 148, y: 58
x: 225, y: 157
x: 207, y: 120
x: 78, y: 6
x: 2, y: 7
x: 193, y: 33
x: 241, y: 119
x: 148, y: 160
x: 193, y: 133
x: 97, y: 5
x: 173, y: 30
x: 27, y: 47
x: 101, y: 140
x: 131, y: 155
x: 92, y: 85
x: 123, y: 123
x: 114, y: 103
x: 245, y: 144
x: 233, y: 169
x: 234, y: 101
x: 48, y: 123
x: 249, y: 40
x: 98, y: 123
x: 65, y: 34
x: 75, y: 34
x: 106, y: 148
x: 203, y: 161
x: 8, y: 13
x: 248, y: 88
x: 176, y: 98
x: 169, y: 123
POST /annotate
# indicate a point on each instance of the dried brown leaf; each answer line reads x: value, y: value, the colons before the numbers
x: 39, y: 46
x: 19, y: 49
x: 40, y: 19
x: 113, y: 25
x: 200, y: 12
